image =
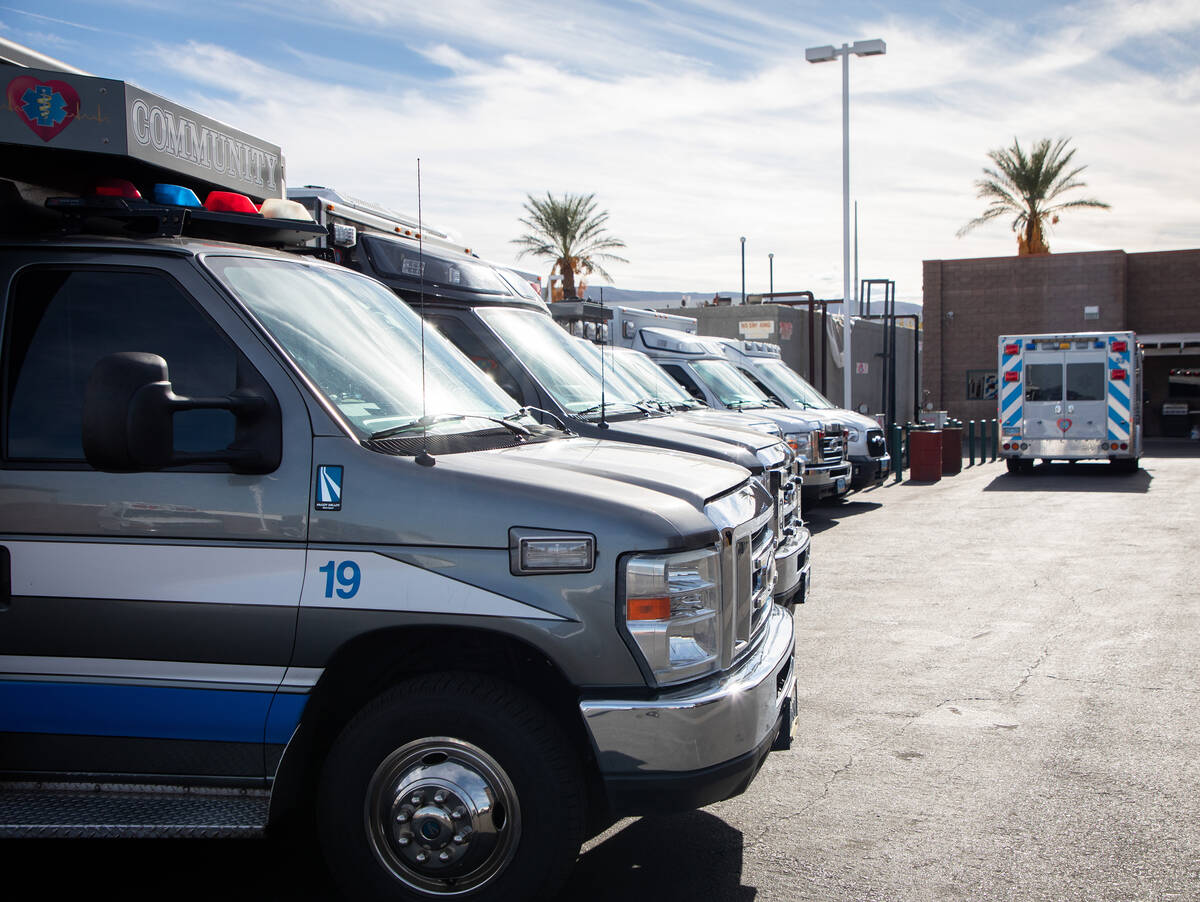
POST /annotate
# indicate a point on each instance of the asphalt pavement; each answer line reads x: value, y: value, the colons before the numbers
x: 999, y: 679
x: 1000, y: 699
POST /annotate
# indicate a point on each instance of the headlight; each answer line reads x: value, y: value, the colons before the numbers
x: 801, y: 443
x: 672, y: 608
x: 772, y: 455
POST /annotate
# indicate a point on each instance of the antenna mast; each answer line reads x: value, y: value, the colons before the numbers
x: 425, y: 459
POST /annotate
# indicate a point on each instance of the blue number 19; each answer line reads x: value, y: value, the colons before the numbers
x: 349, y: 577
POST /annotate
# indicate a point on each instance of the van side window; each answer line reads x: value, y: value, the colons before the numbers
x: 680, y: 375
x: 62, y: 321
x: 469, y: 343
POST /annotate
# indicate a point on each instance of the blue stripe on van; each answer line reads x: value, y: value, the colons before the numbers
x: 147, y: 712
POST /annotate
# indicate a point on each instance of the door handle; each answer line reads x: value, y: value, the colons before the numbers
x: 5, y: 578
x: 1070, y: 408
x: 1058, y: 408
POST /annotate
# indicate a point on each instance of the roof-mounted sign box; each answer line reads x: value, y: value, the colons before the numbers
x: 47, y: 108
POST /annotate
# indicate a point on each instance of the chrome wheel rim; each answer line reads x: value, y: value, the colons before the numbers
x: 442, y: 816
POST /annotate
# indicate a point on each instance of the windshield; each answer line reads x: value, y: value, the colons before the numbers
x: 731, y: 387
x: 790, y: 385
x: 360, y: 345
x: 616, y: 386
x: 549, y: 354
x: 652, y: 379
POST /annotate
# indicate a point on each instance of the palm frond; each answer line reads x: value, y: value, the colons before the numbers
x: 1024, y: 183
x: 569, y: 229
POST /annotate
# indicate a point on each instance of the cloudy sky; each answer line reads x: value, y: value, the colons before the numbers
x: 694, y: 122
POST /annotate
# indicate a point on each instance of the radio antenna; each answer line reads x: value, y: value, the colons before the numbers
x: 425, y: 459
x: 603, y: 406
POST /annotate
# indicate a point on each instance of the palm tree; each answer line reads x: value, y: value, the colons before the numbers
x: 1026, y: 186
x: 570, y: 231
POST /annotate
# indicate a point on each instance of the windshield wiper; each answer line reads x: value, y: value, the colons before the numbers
x: 744, y: 402
x: 596, y: 408
x: 426, y: 422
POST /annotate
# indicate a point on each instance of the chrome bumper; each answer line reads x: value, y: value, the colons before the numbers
x: 791, y: 566
x: 703, y: 725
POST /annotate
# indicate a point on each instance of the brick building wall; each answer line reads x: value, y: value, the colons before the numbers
x: 1164, y: 292
x: 969, y: 303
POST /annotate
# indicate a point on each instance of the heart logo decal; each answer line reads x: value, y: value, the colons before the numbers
x: 1064, y: 424
x: 47, y: 107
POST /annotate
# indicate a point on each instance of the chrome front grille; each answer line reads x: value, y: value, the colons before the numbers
x: 833, y: 448
x: 762, y: 580
x: 754, y: 547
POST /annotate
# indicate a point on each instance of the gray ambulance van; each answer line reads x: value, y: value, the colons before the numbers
x: 270, y: 550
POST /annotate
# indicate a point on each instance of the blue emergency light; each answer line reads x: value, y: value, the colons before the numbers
x: 176, y: 196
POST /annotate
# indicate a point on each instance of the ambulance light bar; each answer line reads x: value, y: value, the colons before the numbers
x: 225, y: 215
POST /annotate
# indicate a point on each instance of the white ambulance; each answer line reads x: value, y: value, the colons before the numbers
x: 1070, y: 396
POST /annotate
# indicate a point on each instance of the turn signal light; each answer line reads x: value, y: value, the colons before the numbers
x: 229, y: 202
x: 1118, y: 375
x: 648, y: 609
x: 1113, y: 445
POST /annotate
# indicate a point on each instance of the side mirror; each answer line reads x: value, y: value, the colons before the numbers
x: 128, y: 424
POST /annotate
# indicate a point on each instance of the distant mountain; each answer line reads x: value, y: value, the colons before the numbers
x: 654, y: 300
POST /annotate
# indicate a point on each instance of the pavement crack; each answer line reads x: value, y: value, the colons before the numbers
x: 1113, y: 685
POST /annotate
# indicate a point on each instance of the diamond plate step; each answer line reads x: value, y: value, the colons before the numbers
x: 130, y: 811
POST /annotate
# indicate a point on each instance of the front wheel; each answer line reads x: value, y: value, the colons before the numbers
x: 453, y: 785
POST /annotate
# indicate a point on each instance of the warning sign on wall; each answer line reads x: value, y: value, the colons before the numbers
x: 756, y: 328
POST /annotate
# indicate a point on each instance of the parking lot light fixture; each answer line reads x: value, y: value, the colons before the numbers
x: 825, y: 54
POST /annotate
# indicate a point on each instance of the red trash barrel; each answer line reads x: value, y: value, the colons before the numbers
x: 951, y: 450
x: 925, y: 455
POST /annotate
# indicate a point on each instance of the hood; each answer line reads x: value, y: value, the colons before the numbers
x: 692, y: 478
x: 629, y: 497
x: 725, y: 425
x: 661, y: 432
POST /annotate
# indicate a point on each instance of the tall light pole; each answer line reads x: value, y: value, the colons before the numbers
x: 826, y: 54
x: 743, y: 240
x: 771, y: 258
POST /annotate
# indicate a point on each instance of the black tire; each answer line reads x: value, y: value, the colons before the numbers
x: 430, y: 755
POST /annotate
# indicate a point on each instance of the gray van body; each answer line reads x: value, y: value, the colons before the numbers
x: 226, y: 598
x: 132, y: 586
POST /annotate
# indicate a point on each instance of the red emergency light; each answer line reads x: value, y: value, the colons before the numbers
x: 1117, y: 375
x: 118, y: 188
x: 229, y: 202
x: 1120, y: 346
x: 1012, y: 376
x: 1012, y: 349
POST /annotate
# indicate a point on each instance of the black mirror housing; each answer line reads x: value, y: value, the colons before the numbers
x: 128, y: 424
